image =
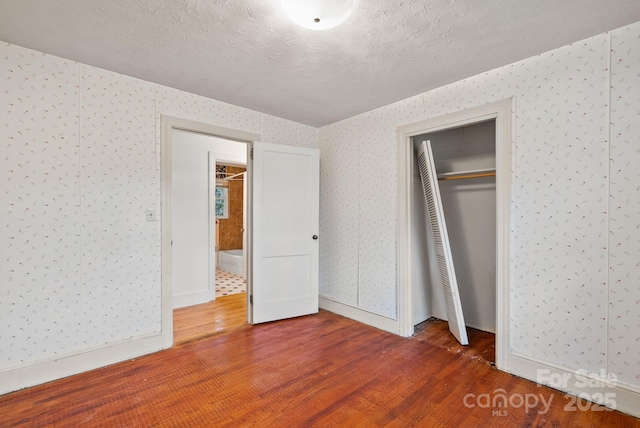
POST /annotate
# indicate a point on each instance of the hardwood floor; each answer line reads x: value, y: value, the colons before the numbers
x: 224, y: 313
x: 321, y: 370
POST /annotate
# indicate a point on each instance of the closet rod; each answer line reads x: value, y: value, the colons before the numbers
x: 462, y: 177
x: 487, y: 172
x: 234, y: 175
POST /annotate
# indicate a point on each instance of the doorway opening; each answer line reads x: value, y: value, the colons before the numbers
x: 282, y: 228
x: 418, y: 303
x: 190, y: 189
x: 215, y: 268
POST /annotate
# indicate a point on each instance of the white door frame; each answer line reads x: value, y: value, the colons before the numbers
x: 502, y: 113
x: 169, y: 124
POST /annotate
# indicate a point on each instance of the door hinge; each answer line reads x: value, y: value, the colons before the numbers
x: 251, y: 299
x: 252, y: 153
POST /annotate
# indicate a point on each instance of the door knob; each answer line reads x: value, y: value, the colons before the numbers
x: 315, y: 236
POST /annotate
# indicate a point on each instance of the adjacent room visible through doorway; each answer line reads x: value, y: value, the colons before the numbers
x: 208, y: 223
x: 230, y: 225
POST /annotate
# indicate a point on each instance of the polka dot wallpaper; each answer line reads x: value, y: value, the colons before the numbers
x: 559, y: 283
x: 574, y: 242
x: 624, y: 205
x: 339, y: 223
x: 118, y: 184
x: 40, y: 233
x: 79, y: 167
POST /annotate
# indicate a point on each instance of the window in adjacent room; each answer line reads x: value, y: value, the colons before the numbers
x: 222, y: 202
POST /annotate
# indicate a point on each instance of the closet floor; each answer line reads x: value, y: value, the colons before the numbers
x: 482, y: 345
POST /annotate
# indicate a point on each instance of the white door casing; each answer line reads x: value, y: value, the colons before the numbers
x: 285, y: 187
x: 503, y: 114
x: 245, y: 209
x: 169, y: 124
x: 435, y: 213
x: 212, y: 224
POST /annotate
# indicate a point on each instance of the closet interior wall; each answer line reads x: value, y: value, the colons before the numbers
x: 470, y: 212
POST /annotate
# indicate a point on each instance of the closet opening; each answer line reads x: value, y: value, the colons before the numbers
x: 467, y: 147
x: 465, y: 163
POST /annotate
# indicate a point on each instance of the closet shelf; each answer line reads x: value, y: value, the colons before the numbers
x: 475, y: 173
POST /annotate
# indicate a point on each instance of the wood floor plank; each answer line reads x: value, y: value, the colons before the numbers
x: 224, y: 313
x: 320, y: 370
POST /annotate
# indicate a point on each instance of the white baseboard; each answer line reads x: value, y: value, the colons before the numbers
x: 46, y: 370
x: 190, y: 299
x: 622, y: 397
x: 361, y: 315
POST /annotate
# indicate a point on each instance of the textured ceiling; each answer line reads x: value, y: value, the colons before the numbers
x: 248, y: 53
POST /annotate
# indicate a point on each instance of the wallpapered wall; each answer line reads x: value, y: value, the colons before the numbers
x: 576, y: 215
x: 624, y: 205
x: 80, y: 164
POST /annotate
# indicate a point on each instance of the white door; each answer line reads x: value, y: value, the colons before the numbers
x: 285, y: 187
x: 441, y: 242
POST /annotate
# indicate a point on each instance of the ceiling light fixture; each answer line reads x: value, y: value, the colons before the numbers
x: 318, y: 14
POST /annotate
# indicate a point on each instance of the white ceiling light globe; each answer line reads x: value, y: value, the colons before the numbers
x: 318, y: 14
